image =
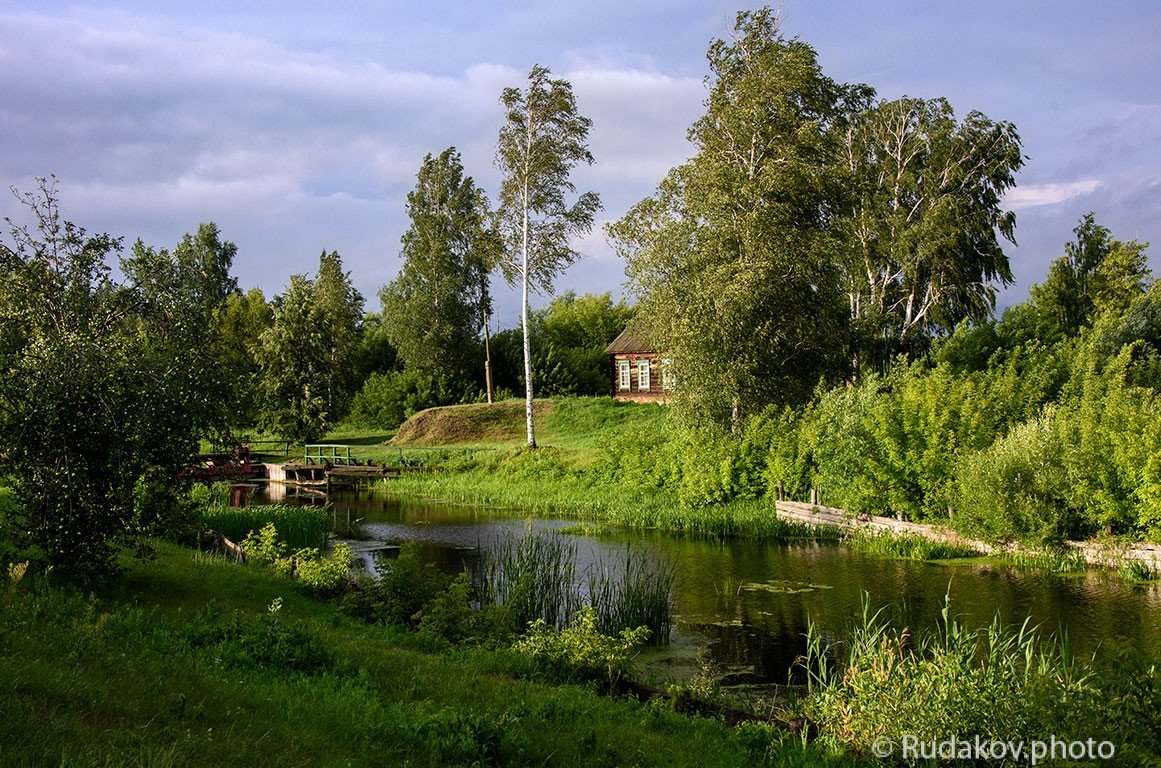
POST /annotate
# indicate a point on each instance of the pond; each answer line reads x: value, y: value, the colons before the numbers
x: 744, y: 606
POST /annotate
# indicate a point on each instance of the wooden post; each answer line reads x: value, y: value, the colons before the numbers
x: 781, y: 491
x: 814, y: 497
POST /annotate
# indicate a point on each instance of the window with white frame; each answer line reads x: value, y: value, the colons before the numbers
x: 623, y: 381
x: 643, y: 383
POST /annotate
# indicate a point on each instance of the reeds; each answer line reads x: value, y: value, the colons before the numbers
x: 298, y: 527
x: 907, y: 546
x: 998, y: 681
x: 535, y: 577
x: 637, y: 596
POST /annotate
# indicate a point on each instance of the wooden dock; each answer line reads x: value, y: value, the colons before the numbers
x: 326, y: 475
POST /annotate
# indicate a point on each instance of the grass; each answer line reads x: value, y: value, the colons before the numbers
x: 534, y: 577
x: 907, y: 546
x: 297, y: 527
x: 997, y: 682
x: 183, y: 663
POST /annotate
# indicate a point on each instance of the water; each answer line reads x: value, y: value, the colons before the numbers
x: 744, y: 606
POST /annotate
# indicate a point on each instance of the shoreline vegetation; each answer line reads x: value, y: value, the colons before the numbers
x: 583, y: 470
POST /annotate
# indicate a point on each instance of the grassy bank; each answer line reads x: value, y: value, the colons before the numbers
x: 569, y: 475
x: 190, y: 660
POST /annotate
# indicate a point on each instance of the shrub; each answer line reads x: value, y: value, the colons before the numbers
x: 404, y: 588
x: 581, y: 651
x: 1018, y: 487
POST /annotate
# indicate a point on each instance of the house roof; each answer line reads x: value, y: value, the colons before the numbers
x: 633, y: 339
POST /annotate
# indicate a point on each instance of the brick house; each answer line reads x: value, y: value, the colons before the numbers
x: 638, y: 372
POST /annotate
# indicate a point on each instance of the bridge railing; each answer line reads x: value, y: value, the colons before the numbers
x: 322, y: 453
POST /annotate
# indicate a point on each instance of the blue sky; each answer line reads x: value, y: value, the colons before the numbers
x: 300, y: 126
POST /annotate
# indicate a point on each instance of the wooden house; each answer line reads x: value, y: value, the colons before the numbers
x: 637, y: 372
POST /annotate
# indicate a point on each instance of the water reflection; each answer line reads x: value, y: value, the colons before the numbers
x: 746, y: 605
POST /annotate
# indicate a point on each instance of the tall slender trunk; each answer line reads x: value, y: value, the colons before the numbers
x: 487, y: 360
x: 524, y: 323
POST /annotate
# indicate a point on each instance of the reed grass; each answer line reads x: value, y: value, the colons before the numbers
x: 534, y: 577
x: 298, y: 527
x: 996, y: 682
x: 637, y: 595
x: 907, y: 546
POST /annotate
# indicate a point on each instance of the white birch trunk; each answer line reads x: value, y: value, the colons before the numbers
x: 524, y: 324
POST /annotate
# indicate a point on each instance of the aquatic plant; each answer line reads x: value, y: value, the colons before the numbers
x: 297, y: 527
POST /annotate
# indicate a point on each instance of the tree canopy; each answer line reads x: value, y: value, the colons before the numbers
x: 434, y: 309
x: 106, y: 387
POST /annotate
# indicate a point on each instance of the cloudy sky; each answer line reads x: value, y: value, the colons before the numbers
x: 299, y: 126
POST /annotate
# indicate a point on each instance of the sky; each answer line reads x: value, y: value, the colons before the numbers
x: 300, y: 126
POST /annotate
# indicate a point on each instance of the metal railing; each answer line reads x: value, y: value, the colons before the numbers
x: 321, y: 453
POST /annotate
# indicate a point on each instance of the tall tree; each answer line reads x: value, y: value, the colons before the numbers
x: 734, y: 256
x: 542, y: 140
x: 1098, y: 274
x: 923, y: 249
x: 105, y: 386
x: 434, y: 308
x: 310, y: 352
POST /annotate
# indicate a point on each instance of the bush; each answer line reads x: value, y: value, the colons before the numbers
x: 405, y: 587
x: 581, y: 652
x: 386, y: 400
x: 1017, y: 488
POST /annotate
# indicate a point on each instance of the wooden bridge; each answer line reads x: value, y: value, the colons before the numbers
x: 325, y: 466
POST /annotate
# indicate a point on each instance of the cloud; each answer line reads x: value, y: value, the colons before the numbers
x: 1035, y: 195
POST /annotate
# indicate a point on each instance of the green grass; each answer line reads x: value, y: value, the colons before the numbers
x: 184, y: 663
x: 997, y: 682
x: 907, y: 546
x: 297, y: 527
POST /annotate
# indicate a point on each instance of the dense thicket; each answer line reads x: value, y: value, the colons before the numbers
x: 105, y: 385
x: 1005, y: 430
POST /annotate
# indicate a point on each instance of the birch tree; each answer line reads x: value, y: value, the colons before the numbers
x: 542, y: 140
x: 924, y: 229
x: 734, y: 257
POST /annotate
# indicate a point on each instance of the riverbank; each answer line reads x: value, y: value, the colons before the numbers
x: 614, y: 462
x: 192, y: 660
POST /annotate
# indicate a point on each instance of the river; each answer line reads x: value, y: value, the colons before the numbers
x: 742, y: 607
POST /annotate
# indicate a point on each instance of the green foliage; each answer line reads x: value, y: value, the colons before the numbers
x: 450, y: 616
x: 581, y: 651
x: 328, y: 574
x: 532, y: 577
x: 923, y: 252
x: 310, y: 353
x: 734, y: 254
x: 244, y: 642
x: 997, y: 683
x: 239, y: 326
x: 386, y: 400
x: 105, y: 387
x: 435, y: 307
x: 404, y: 588
x: 1018, y: 487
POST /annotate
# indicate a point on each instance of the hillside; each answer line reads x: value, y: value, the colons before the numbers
x: 476, y: 423
x: 574, y: 422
